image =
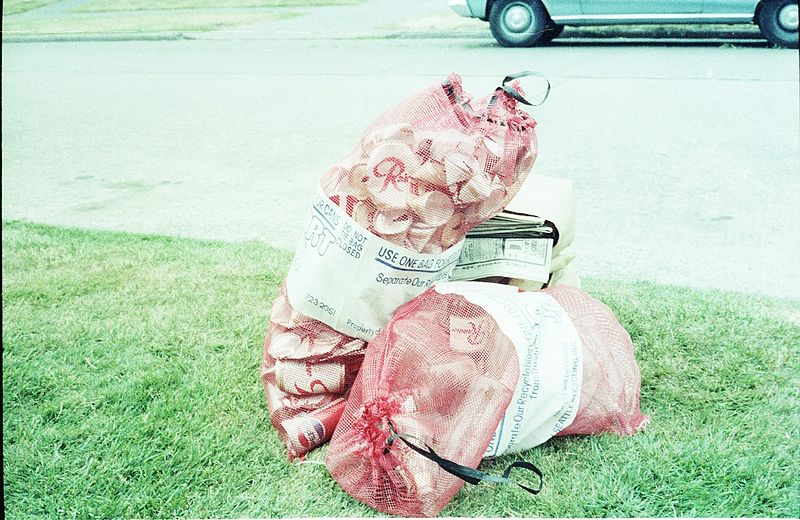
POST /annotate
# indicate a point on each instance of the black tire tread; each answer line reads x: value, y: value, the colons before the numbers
x: 540, y: 14
x: 771, y: 29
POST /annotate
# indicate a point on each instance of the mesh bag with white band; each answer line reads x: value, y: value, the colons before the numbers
x: 423, y: 174
x: 472, y: 370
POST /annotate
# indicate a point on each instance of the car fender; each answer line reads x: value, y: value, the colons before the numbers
x: 482, y: 8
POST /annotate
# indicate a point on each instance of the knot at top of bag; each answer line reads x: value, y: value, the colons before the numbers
x: 503, y: 108
x: 505, y: 100
x: 373, y: 425
x: 499, y: 108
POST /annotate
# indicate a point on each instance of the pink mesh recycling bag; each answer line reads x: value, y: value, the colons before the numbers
x: 423, y: 174
x: 610, y: 384
x: 445, y: 373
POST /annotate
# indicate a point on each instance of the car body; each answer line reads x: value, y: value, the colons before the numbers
x: 517, y: 23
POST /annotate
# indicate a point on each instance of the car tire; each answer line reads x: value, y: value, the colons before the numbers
x: 518, y: 23
x: 550, y: 33
x: 778, y: 22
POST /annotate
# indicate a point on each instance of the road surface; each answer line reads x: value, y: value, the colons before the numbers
x: 685, y: 156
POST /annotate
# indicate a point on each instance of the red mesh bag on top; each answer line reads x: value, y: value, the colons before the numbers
x: 472, y: 370
x: 423, y: 174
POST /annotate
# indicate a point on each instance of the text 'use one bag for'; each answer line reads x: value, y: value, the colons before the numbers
x: 387, y: 222
x: 470, y: 370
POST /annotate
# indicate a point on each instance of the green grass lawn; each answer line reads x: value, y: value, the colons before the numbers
x: 20, y: 6
x: 131, y: 5
x: 151, y: 16
x: 131, y: 389
x: 140, y: 22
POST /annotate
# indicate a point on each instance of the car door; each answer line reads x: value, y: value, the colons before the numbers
x: 634, y: 7
x: 730, y: 6
x: 569, y: 8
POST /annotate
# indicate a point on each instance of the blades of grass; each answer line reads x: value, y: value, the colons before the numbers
x: 131, y: 389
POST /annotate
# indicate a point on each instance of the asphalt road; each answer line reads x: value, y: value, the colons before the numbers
x: 685, y: 156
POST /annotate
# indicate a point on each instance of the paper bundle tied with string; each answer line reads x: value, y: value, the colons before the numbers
x: 387, y: 222
x: 470, y: 370
x: 529, y: 244
x: 553, y: 199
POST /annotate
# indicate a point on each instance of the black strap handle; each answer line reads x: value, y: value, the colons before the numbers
x: 514, y: 93
x: 465, y: 473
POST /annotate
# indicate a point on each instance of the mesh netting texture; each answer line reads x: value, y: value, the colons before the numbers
x: 306, y: 370
x: 611, y: 379
x: 419, y: 377
x: 444, y: 372
x: 423, y: 174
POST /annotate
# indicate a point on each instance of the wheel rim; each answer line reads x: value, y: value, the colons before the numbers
x: 517, y: 18
x: 787, y: 17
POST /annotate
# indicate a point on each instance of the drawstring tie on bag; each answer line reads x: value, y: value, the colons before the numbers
x: 465, y: 473
x: 517, y: 122
x: 513, y: 91
x: 371, y: 425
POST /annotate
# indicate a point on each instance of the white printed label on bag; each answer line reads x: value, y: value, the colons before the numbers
x: 524, y: 258
x: 550, y: 356
x: 352, y: 280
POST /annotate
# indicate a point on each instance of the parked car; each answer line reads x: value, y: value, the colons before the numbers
x: 520, y: 23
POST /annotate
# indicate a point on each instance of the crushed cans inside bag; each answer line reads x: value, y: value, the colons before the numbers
x: 387, y: 224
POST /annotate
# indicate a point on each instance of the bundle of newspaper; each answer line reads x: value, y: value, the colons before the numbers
x: 529, y: 244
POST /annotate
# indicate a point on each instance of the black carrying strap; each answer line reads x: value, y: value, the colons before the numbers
x: 514, y: 93
x: 465, y: 473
